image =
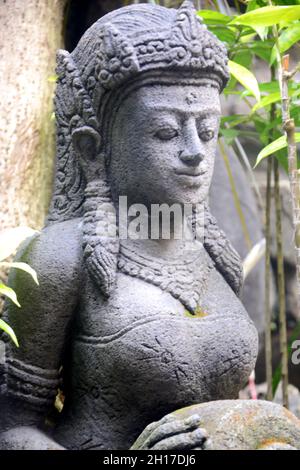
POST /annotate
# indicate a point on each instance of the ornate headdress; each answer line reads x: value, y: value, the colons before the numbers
x: 123, y: 46
x: 132, y: 44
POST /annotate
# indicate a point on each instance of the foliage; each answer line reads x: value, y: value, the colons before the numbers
x: 264, y: 32
x: 250, y: 38
x: 9, y: 242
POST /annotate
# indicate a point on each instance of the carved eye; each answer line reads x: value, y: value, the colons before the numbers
x: 166, y: 133
x: 206, y: 135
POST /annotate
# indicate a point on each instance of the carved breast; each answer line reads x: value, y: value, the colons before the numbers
x: 142, y: 354
x: 143, y: 350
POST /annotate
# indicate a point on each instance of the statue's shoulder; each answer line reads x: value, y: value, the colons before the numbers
x: 56, y: 251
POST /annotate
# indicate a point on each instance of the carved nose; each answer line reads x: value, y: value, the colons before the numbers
x: 191, y: 158
x: 192, y: 154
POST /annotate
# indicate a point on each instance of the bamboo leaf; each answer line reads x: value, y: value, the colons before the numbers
x: 268, y: 16
x: 9, y: 293
x: 273, y: 147
x: 262, y: 49
x: 24, y: 267
x: 247, y: 37
x: 262, y: 32
x: 224, y: 33
x: 273, y: 98
x: 229, y: 135
x: 266, y: 100
x: 245, y: 77
x: 286, y: 40
x: 5, y: 327
x: 10, y: 240
x: 213, y: 17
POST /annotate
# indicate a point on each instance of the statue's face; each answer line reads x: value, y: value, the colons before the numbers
x: 163, y: 144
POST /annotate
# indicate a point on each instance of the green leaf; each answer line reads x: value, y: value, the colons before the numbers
x: 254, y: 4
x: 5, y: 327
x: 267, y: 100
x: 268, y: 16
x: 247, y: 37
x: 258, y: 46
x: 274, y: 98
x: 233, y: 118
x: 236, y: 119
x: 273, y: 87
x: 262, y: 32
x: 213, y: 17
x: 225, y: 34
x: 273, y: 147
x: 10, y: 240
x: 243, y: 58
x: 9, y: 293
x: 24, y: 267
x: 262, y: 50
x: 281, y: 156
x: 229, y: 135
x: 245, y: 77
x: 269, y: 87
x: 286, y: 40
x: 260, y: 127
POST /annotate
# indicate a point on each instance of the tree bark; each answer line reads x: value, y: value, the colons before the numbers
x: 30, y: 34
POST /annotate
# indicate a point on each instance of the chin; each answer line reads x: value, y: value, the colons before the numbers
x: 179, y: 195
x: 191, y: 196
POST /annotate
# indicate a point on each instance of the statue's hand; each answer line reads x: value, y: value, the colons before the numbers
x: 27, y: 438
x: 171, y: 433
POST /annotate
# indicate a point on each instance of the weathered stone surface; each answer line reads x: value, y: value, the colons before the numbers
x: 224, y: 425
x: 293, y: 392
x: 26, y: 437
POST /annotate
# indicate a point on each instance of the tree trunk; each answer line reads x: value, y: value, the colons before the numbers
x: 30, y: 34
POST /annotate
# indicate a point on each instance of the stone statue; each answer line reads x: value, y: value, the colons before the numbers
x: 131, y: 329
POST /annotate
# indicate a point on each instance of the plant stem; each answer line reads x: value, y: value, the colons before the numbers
x: 288, y: 125
x: 268, y: 313
x: 282, y: 66
x: 293, y: 72
x: 289, y: 128
x: 268, y: 316
x: 281, y: 289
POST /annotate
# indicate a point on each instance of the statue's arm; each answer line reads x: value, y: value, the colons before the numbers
x: 41, y: 324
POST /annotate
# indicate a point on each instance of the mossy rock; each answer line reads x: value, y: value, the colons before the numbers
x: 246, y: 425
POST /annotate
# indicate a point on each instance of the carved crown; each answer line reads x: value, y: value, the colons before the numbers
x: 187, y: 45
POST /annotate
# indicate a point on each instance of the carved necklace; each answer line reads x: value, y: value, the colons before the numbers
x: 185, y: 277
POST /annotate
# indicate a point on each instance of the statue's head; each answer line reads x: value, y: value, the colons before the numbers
x: 137, y: 107
x: 163, y: 142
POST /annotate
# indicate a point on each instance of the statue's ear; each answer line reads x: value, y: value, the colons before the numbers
x: 86, y: 142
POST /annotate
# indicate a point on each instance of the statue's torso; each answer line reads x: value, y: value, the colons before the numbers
x: 142, y: 353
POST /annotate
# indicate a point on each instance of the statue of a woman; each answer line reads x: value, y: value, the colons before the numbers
x: 134, y: 329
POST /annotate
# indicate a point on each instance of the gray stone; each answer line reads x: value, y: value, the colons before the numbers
x: 228, y: 424
x: 27, y: 437
x: 130, y: 329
